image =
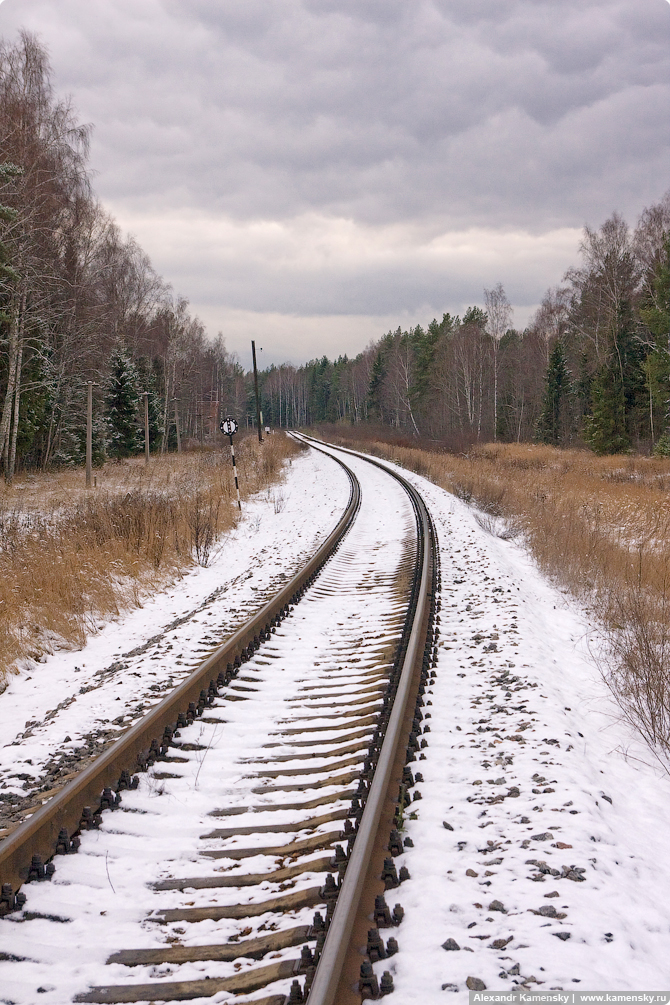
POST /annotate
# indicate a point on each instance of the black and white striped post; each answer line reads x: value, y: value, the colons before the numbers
x: 228, y: 427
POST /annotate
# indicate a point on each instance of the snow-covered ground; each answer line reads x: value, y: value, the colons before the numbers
x: 56, y: 716
x: 540, y: 841
x: 568, y: 883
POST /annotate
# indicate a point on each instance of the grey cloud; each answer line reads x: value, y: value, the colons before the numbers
x: 472, y: 112
x: 449, y: 114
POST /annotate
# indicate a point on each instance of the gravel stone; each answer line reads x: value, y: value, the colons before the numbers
x: 475, y: 984
x: 451, y: 944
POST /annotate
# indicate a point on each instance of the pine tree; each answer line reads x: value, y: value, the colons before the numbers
x: 122, y: 407
x: 425, y: 344
x: 557, y: 385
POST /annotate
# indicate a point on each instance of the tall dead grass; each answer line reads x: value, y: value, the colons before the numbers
x: 600, y: 526
x: 69, y: 558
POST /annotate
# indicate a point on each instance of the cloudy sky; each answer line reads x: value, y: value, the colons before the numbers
x: 310, y: 173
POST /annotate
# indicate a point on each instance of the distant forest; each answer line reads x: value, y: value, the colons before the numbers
x: 79, y: 302
x: 592, y: 367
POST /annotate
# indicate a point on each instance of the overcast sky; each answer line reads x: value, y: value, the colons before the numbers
x: 311, y: 173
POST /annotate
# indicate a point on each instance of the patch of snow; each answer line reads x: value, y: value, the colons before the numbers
x: 518, y: 706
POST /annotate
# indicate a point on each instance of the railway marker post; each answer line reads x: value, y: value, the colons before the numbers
x: 228, y: 427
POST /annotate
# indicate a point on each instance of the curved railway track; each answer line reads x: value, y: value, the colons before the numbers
x: 264, y: 796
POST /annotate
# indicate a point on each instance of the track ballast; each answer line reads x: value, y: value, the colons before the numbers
x: 253, y: 853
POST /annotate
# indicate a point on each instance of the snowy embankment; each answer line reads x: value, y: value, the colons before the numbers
x: 55, y: 717
x: 540, y: 841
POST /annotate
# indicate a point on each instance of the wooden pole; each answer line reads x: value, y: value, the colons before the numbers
x: 176, y: 422
x: 146, y: 427
x: 258, y: 403
x: 89, y: 433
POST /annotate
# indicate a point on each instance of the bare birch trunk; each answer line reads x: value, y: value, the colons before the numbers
x: 15, y: 430
x: 5, y: 421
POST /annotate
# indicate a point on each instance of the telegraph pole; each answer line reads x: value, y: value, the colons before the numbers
x: 146, y: 427
x: 176, y: 422
x: 89, y: 433
x: 258, y: 402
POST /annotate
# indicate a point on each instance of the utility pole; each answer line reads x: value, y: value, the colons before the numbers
x: 258, y: 402
x: 176, y: 422
x: 146, y: 427
x: 89, y: 433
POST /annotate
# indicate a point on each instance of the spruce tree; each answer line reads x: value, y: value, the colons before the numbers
x: 616, y: 390
x: 556, y: 388
x: 605, y: 429
x: 122, y: 407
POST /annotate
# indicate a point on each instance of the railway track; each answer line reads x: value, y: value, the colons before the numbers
x: 245, y: 837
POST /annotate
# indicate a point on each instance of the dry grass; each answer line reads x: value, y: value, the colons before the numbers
x: 600, y: 526
x: 69, y: 558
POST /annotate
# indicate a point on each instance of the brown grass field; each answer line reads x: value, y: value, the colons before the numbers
x: 71, y: 557
x: 598, y: 526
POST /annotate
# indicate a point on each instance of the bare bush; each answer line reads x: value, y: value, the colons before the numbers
x: 69, y: 558
x: 600, y: 526
x: 638, y: 666
x: 203, y: 518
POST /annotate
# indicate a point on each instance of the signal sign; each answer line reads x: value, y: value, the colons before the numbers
x: 228, y: 426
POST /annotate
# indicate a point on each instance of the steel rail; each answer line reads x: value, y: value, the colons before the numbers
x: 331, y: 962
x: 39, y: 834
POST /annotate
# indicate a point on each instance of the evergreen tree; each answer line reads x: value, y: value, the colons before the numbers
x: 617, y: 390
x: 475, y: 316
x: 605, y: 429
x: 425, y: 344
x: 655, y: 316
x: 320, y: 390
x: 122, y: 407
x: 7, y: 215
x: 557, y: 385
x: 375, y: 388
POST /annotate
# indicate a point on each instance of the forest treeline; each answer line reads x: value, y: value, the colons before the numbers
x: 80, y: 302
x: 592, y: 367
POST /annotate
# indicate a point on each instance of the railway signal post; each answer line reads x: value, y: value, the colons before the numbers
x: 228, y: 427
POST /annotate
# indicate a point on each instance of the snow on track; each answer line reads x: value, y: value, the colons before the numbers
x: 540, y: 842
x: 314, y: 683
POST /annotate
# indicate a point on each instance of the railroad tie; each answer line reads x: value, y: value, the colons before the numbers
x: 244, y: 982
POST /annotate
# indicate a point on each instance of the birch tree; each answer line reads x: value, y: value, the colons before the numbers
x: 499, y: 319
